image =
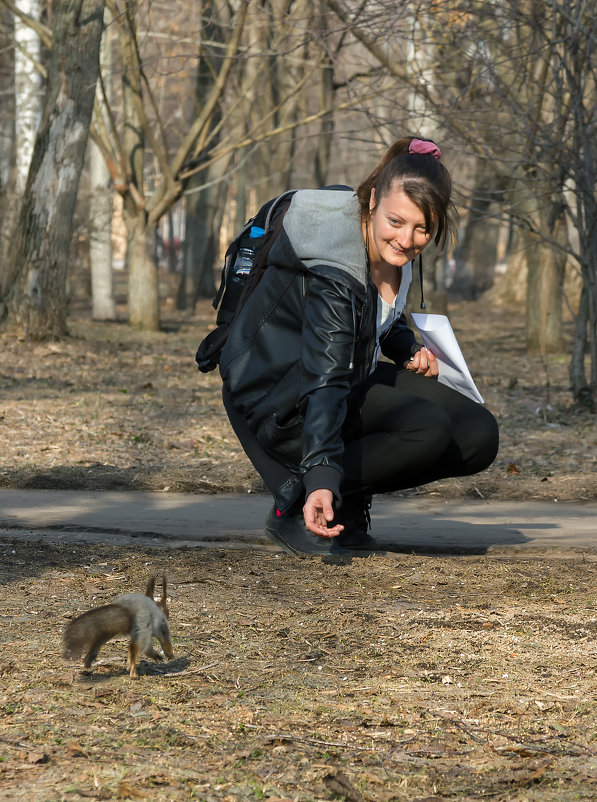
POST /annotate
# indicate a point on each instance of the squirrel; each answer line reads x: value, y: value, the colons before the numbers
x: 135, y: 614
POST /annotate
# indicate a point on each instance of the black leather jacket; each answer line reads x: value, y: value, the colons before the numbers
x: 298, y: 357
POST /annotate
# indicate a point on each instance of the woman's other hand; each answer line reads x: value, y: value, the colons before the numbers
x: 423, y: 362
x: 318, y: 510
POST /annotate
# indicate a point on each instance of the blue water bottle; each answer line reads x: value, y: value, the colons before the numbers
x: 239, y: 273
x: 246, y: 256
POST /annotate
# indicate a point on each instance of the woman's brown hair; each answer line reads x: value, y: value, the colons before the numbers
x: 424, y: 179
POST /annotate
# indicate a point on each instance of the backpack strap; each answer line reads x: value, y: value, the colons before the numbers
x: 274, y: 204
x: 269, y: 217
x: 234, y: 246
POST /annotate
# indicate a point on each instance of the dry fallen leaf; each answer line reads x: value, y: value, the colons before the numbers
x: 127, y: 791
x: 75, y: 749
x: 339, y: 783
x: 37, y: 757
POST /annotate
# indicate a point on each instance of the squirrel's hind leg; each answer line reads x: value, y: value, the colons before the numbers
x: 131, y: 662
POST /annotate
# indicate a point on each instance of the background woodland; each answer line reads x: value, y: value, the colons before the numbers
x: 136, y: 137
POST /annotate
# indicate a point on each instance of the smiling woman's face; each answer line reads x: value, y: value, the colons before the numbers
x: 397, y: 230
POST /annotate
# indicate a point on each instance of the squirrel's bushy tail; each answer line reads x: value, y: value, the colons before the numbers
x: 96, y: 626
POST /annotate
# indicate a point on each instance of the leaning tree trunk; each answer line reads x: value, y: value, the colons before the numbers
x: 143, y: 294
x: 34, y: 298
x: 544, y: 334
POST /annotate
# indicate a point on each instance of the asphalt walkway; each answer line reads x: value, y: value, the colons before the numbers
x: 419, y: 524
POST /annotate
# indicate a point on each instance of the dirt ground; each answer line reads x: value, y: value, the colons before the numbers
x: 402, y: 677
x: 110, y: 408
x: 390, y: 677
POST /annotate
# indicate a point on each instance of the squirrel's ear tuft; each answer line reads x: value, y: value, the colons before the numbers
x: 149, y: 590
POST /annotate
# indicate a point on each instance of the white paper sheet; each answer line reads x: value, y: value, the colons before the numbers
x: 438, y: 337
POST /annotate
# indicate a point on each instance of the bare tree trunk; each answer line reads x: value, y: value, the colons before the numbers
x: 585, y: 339
x: 100, y: 237
x: 143, y: 294
x: 242, y: 200
x: 8, y: 204
x: 171, y: 254
x: 203, y: 221
x: 7, y: 92
x: 28, y: 89
x: 511, y: 286
x: 34, y: 296
x: 580, y: 389
x: 100, y: 213
x: 280, y: 80
x: 544, y: 299
x: 326, y: 132
x: 203, y: 212
x: 200, y: 250
x: 143, y: 275
x: 481, y: 233
x: 585, y: 178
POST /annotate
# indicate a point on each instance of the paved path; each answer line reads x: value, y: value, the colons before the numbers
x: 221, y: 521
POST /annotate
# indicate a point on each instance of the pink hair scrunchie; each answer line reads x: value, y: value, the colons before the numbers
x: 424, y: 147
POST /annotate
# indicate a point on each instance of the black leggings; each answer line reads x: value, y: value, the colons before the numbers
x: 414, y: 430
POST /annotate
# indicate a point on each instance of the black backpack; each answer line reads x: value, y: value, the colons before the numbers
x: 244, y: 264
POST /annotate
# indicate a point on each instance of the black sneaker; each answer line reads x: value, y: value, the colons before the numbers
x: 290, y: 533
x: 355, y: 517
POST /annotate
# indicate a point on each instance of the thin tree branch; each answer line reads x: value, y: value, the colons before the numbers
x: 44, y: 33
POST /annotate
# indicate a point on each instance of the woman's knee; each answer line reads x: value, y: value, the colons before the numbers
x: 484, y: 433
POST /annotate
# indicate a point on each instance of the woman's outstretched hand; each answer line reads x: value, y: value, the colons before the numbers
x: 423, y: 362
x: 318, y: 510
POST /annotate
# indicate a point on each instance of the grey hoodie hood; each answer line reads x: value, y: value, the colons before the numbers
x: 323, y: 227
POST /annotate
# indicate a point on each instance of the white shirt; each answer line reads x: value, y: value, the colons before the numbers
x: 388, y: 313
